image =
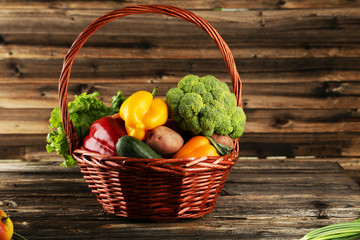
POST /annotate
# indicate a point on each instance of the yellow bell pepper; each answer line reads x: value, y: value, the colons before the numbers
x: 197, y: 146
x: 142, y: 112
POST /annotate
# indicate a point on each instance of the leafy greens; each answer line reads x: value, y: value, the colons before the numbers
x: 337, y: 231
x: 83, y: 111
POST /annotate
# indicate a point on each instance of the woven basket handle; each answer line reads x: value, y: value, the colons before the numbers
x: 71, y: 134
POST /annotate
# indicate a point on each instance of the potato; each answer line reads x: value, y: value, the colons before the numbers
x: 164, y: 140
x: 170, y: 123
x: 225, y: 140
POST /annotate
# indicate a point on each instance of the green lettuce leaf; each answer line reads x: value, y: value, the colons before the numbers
x: 83, y: 111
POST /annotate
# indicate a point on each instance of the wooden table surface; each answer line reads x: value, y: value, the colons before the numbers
x: 262, y: 199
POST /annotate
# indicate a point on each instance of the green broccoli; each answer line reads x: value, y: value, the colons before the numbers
x: 205, y: 105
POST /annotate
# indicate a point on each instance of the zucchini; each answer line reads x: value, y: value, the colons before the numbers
x: 128, y: 146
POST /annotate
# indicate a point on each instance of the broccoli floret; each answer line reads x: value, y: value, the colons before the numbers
x: 207, y: 97
x: 205, y: 106
x: 238, y: 119
x: 173, y: 98
x: 191, y: 125
x: 190, y: 105
x: 225, y: 127
x: 209, y: 117
x: 173, y: 101
x: 187, y: 83
x: 210, y: 82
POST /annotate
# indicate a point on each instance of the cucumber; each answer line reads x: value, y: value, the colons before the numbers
x: 128, y: 146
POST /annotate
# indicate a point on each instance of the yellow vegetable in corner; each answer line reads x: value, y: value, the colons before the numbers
x: 197, y: 146
x: 6, y: 227
x: 142, y: 112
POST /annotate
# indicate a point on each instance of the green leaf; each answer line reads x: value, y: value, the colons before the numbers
x: 117, y: 101
x: 69, y: 161
x: 83, y: 111
x: 220, y: 148
x: 345, y: 231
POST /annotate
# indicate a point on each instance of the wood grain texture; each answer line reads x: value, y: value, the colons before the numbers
x: 272, y: 28
x: 262, y: 199
x: 187, y: 4
x: 299, y: 62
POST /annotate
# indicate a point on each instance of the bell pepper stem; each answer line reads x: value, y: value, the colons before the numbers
x: 154, y: 92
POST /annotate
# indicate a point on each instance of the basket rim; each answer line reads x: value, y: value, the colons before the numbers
x: 177, y: 166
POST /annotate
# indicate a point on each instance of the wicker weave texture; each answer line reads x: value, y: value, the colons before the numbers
x: 152, y: 189
x: 179, y: 188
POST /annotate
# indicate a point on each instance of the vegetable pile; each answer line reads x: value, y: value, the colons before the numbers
x: 199, y: 117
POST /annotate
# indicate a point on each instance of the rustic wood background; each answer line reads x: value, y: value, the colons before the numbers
x: 261, y: 200
x: 299, y: 62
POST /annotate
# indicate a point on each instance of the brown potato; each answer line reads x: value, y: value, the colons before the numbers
x: 225, y: 140
x: 170, y: 123
x: 164, y: 140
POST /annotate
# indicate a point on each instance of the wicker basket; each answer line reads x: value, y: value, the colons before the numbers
x: 150, y: 189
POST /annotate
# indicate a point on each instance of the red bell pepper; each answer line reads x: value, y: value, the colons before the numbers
x: 104, y: 134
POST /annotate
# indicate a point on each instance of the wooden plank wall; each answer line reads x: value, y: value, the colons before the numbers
x: 299, y: 62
